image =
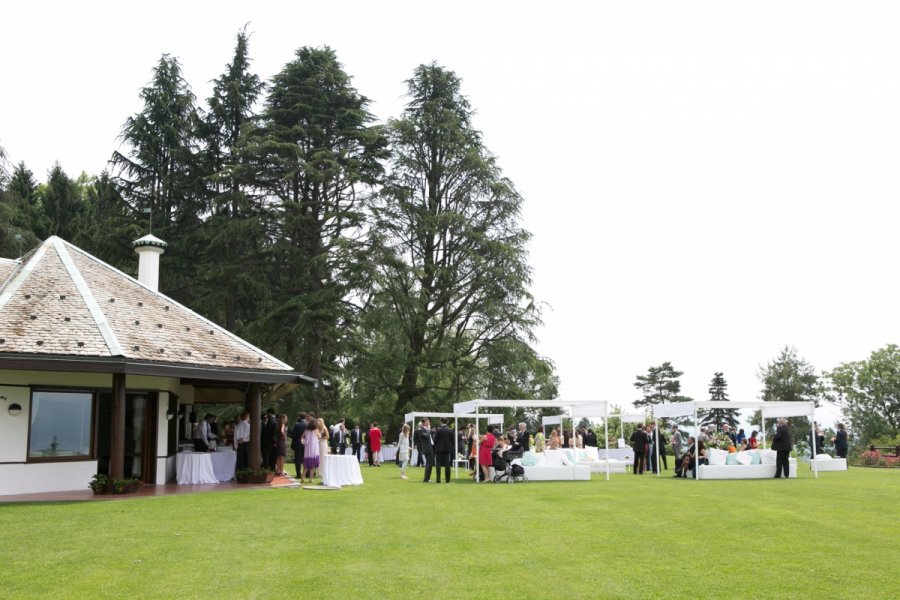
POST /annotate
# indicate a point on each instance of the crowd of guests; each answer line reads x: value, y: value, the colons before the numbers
x: 310, y: 439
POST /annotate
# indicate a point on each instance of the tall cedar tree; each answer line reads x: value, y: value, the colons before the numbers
x: 452, y: 274
x: 316, y: 155
x: 234, y: 234
x: 718, y: 393
x: 157, y: 172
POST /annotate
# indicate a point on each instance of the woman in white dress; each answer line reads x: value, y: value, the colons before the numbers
x: 403, y: 450
x: 323, y: 438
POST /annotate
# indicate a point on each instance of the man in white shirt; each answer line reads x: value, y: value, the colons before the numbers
x: 242, y: 441
x: 203, y: 435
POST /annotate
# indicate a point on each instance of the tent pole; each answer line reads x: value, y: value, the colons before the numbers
x: 696, y: 447
x: 606, y: 438
x: 762, y: 422
x: 812, y: 453
x: 456, y: 447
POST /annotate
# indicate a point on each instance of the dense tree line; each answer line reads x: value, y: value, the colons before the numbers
x: 386, y: 260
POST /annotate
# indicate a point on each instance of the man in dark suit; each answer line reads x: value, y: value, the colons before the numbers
x: 369, y: 447
x: 590, y: 438
x: 340, y: 439
x: 267, y: 440
x: 782, y: 446
x: 426, y: 449
x: 296, y: 435
x: 417, y: 444
x: 443, y: 449
x: 356, y: 438
x: 638, y: 444
x: 523, y: 438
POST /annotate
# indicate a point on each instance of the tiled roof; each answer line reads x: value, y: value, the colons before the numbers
x: 7, y: 267
x: 61, y: 301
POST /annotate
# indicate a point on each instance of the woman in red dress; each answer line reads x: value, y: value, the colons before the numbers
x: 375, y: 444
x: 484, y: 453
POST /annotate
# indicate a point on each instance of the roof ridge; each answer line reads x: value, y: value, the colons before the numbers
x: 218, y: 327
x: 109, y: 336
x: 22, y: 274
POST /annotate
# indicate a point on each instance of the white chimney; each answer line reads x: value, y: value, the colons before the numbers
x: 148, y: 249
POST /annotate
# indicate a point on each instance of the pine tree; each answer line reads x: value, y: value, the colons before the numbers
x: 659, y: 386
x: 719, y: 416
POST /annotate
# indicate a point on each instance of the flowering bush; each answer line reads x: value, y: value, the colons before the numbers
x: 869, y: 459
x: 873, y: 458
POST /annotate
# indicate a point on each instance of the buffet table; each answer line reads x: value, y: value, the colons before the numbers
x: 193, y: 468
x: 338, y: 470
x: 223, y: 463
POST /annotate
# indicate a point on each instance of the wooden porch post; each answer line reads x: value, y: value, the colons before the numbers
x: 117, y: 428
x: 255, y: 416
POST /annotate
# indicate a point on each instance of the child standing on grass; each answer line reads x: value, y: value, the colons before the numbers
x: 403, y: 450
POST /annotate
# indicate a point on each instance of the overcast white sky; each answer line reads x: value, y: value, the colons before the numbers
x: 706, y: 182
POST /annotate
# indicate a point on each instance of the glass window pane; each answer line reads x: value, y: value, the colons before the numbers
x: 60, y: 424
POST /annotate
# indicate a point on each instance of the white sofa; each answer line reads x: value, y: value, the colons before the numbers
x: 824, y: 462
x: 745, y: 469
x: 552, y: 465
x: 590, y: 457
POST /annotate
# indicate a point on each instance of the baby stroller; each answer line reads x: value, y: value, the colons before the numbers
x: 506, y: 471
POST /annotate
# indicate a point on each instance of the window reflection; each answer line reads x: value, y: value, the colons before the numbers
x: 60, y: 424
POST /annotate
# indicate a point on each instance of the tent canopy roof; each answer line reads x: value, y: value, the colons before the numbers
x: 409, y: 417
x: 582, y: 408
x: 770, y: 409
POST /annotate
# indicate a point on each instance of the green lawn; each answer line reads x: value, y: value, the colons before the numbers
x: 631, y: 537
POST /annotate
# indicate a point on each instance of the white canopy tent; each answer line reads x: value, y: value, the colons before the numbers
x: 640, y: 417
x: 551, y: 420
x: 493, y: 419
x: 769, y: 410
x: 576, y: 408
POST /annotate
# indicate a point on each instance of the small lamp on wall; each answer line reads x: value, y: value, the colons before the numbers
x: 14, y: 409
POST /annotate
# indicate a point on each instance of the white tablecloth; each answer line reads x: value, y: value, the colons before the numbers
x: 194, y: 467
x: 340, y: 470
x: 388, y: 453
x: 223, y: 464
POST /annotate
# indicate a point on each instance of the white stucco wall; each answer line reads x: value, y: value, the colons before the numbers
x: 19, y: 477
x: 14, y: 430
x: 46, y: 477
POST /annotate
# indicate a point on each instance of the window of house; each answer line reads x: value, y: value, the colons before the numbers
x: 61, y: 425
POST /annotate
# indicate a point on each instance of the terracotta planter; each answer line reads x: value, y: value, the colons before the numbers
x: 256, y: 478
x: 262, y: 478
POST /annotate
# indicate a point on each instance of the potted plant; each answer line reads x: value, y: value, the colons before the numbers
x: 100, y: 484
x: 125, y: 486
x: 262, y: 475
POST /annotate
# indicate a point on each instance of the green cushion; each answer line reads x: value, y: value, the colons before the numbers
x: 756, y: 458
x: 731, y: 459
x: 529, y: 459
